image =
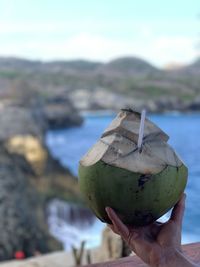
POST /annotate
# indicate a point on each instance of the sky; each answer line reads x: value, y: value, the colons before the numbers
x: 161, y: 32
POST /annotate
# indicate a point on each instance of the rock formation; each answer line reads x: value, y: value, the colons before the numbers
x: 29, y: 176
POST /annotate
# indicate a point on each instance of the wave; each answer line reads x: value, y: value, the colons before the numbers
x: 72, y: 224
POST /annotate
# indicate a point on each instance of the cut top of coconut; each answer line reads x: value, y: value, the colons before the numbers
x: 118, y: 147
x: 127, y: 123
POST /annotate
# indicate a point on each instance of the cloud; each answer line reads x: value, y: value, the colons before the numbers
x: 159, y: 50
x: 165, y: 49
x: 28, y: 28
x: 116, y: 27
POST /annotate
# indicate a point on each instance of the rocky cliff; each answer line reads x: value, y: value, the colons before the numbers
x: 29, y: 176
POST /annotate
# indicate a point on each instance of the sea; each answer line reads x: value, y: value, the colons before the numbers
x: 69, y: 145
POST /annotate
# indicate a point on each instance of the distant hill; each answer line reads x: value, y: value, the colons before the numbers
x: 195, y: 64
x: 128, y: 76
x: 12, y: 63
x: 125, y: 65
x: 129, y: 66
x: 193, y: 68
x: 76, y: 65
x: 23, y: 64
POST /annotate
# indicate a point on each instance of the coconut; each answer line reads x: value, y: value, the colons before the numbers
x: 139, y: 183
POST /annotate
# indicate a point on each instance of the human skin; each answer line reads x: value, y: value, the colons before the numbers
x: 158, y: 244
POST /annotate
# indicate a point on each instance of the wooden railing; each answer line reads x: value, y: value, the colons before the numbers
x: 191, y: 250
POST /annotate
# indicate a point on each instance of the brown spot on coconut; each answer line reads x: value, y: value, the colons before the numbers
x: 115, y: 164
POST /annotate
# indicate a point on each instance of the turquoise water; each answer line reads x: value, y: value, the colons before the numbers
x: 184, y: 130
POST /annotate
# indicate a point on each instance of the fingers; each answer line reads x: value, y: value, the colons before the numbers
x: 178, y: 211
x: 117, y: 225
x: 127, y: 239
x: 134, y: 238
x: 121, y: 229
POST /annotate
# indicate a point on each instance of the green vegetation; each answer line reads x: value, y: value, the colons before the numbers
x: 127, y: 76
x: 10, y: 74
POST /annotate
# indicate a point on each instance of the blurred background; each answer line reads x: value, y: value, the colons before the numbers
x: 66, y: 69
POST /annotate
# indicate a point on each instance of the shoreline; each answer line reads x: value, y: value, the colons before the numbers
x: 110, y: 112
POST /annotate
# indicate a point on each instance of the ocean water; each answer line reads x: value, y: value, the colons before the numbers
x: 69, y: 145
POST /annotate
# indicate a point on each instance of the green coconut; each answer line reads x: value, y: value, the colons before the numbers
x: 140, y: 184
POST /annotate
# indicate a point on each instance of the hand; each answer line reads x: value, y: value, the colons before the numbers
x: 158, y: 244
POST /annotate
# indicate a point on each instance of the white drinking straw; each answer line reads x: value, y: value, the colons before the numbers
x: 141, y: 130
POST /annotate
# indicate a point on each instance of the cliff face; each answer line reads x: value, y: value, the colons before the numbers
x: 29, y: 177
x: 18, y: 209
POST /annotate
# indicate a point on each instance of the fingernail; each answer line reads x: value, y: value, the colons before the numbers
x: 110, y: 211
x: 107, y: 209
